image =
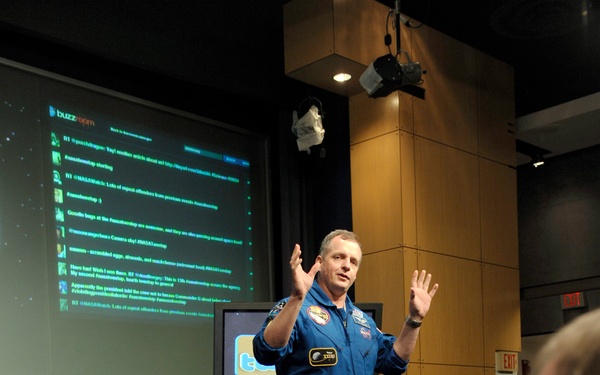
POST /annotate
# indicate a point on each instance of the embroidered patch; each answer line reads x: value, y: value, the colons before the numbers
x: 366, y: 333
x: 319, y: 315
x: 359, y: 318
x: 318, y: 357
x: 276, y: 309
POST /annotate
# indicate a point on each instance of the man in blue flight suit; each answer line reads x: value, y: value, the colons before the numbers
x: 317, y: 330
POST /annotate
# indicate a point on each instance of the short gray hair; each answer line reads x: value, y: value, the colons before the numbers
x: 344, y: 234
x: 574, y: 349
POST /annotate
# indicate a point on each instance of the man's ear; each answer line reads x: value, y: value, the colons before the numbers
x: 319, y: 259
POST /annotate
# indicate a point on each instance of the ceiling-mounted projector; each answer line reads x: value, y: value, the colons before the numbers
x: 386, y: 75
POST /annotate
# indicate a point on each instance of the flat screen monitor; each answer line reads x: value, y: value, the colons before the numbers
x: 236, y: 325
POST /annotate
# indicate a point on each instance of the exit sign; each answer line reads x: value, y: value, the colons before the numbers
x: 506, y: 361
x: 572, y: 300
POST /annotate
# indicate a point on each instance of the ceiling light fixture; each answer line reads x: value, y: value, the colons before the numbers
x: 536, y: 153
x: 538, y: 160
x: 342, y: 77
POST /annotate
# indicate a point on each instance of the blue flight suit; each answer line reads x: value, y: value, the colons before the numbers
x: 328, y: 340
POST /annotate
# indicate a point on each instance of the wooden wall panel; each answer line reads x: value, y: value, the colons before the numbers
x: 376, y: 192
x: 413, y: 368
x: 431, y: 190
x: 447, y: 200
x: 359, y: 30
x: 496, y: 110
x: 385, y: 277
x: 452, y: 332
x: 317, y: 34
x: 499, y: 226
x: 428, y: 369
x: 406, y: 112
x: 429, y: 194
x: 501, y: 311
x: 449, y: 112
x: 370, y: 118
x: 409, y: 207
x: 381, y: 279
x: 301, y: 47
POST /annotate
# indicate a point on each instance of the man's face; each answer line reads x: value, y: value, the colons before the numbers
x: 339, y: 266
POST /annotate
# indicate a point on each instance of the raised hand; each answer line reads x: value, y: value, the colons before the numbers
x: 301, y: 281
x: 420, y: 295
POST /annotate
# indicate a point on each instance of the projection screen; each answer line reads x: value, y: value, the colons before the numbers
x: 122, y: 222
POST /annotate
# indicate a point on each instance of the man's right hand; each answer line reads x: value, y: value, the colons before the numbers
x: 278, y: 331
x: 302, y: 281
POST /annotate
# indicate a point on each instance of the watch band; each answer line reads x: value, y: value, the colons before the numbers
x: 413, y: 323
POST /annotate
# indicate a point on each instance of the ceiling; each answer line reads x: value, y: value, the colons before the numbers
x: 554, y: 49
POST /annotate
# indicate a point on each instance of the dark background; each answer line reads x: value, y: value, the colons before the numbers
x: 223, y: 60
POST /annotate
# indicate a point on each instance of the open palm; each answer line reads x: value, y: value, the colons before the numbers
x: 301, y: 281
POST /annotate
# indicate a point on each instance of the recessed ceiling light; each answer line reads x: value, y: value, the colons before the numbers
x: 342, y: 77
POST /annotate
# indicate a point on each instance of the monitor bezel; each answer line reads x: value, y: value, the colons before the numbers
x: 222, y: 308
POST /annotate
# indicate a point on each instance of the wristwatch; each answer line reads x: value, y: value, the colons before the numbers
x: 413, y: 323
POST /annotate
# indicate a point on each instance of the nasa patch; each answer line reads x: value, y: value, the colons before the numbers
x: 366, y: 333
x: 318, y: 315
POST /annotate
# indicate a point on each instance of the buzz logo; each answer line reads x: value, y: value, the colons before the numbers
x: 55, y: 112
x: 245, y: 363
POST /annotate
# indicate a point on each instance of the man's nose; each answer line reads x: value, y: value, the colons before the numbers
x: 346, y: 264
